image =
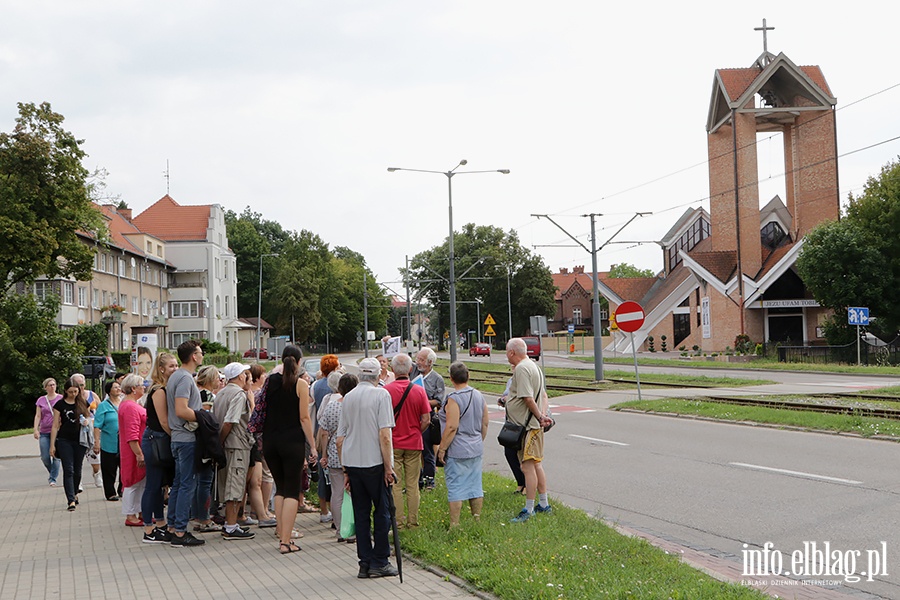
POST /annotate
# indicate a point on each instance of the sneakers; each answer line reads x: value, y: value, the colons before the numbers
x: 521, y: 517
x: 268, y: 523
x: 187, y: 540
x: 543, y: 509
x: 238, y: 534
x: 326, y: 518
x: 157, y: 536
x: 428, y: 483
x: 98, y: 479
x: 80, y: 488
x: 387, y: 570
x: 210, y: 527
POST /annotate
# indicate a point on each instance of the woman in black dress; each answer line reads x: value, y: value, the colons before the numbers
x: 286, y: 428
x: 69, y: 415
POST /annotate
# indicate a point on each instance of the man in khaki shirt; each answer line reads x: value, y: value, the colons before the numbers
x: 524, y: 401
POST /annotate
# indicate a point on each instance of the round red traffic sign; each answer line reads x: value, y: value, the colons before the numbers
x: 629, y: 316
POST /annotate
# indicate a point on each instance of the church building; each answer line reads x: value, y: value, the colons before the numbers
x: 731, y: 270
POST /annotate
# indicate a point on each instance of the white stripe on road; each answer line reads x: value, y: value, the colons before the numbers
x: 598, y: 440
x: 796, y: 473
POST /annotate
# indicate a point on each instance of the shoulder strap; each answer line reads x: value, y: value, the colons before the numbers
x: 402, y: 399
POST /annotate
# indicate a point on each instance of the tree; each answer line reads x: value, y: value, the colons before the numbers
x: 45, y: 201
x: 856, y: 261
x: 625, y: 270
x: 32, y: 348
x: 485, y: 256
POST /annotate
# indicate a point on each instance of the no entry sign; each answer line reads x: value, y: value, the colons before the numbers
x: 629, y: 316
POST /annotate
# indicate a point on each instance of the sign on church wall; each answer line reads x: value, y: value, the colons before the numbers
x: 704, y: 317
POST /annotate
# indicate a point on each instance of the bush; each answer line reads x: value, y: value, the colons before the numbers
x: 210, y: 347
x: 743, y: 344
x: 664, y: 347
x: 650, y: 344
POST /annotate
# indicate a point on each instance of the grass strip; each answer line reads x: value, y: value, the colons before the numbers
x: 15, y: 432
x: 864, y: 426
x: 567, y: 554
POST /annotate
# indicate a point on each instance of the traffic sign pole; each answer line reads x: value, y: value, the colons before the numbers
x: 858, y: 353
x: 637, y: 376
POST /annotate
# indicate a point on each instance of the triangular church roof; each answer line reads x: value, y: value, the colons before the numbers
x: 777, y: 78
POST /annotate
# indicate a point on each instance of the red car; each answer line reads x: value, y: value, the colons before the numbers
x: 480, y: 349
x: 533, y: 344
x: 251, y: 353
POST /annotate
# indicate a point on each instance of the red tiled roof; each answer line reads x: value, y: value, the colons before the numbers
x: 736, y: 81
x: 773, y: 258
x: 721, y: 264
x: 118, y: 227
x: 170, y: 221
x: 630, y: 288
x: 262, y: 322
x: 666, y: 286
x: 564, y: 281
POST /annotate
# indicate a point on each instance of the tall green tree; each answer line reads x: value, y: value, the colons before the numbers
x: 856, y: 261
x: 45, y: 200
x: 486, y: 258
x: 301, y: 271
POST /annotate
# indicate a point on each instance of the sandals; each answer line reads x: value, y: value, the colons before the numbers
x: 288, y: 548
x: 71, y: 506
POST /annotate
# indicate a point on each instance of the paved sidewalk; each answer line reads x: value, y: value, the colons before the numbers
x: 47, y: 552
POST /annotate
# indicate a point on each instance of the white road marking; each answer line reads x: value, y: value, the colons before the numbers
x: 796, y: 473
x: 598, y: 440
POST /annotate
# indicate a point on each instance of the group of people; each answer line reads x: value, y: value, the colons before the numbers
x: 198, y: 433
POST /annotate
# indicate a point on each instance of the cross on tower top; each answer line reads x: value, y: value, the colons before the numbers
x: 764, y: 29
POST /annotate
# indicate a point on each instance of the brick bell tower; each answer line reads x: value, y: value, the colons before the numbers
x: 772, y: 95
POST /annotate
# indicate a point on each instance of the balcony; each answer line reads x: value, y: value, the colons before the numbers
x: 109, y: 317
x: 158, y: 320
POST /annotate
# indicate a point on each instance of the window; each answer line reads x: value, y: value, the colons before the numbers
x: 146, y: 307
x: 227, y: 314
x: 144, y: 274
x: 576, y: 316
x: 123, y: 301
x: 95, y: 298
x: 149, y: 247
x: 122, y: 270
x: 179, y: 338
x: 105, y: 298
x: 159, y: 250
x: 185, y: 309
x: 82, y: 296
x: 68, y: 292
x: 155, y: 276
x: 135, y: 304
x: 681, y: 328
x: 772, y: 235
x: 42, y: 289
x: 698, y: 231
x: 103, y: 262
x: 163, y: 279
x: 226, y: 273
x: 218, y: 273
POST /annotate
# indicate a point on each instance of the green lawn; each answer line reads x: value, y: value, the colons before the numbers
x: 564, y: 555
x: 766, y: 364
x: 15, y: 432
x: 864, y: 426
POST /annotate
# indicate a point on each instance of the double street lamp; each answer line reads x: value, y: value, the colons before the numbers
x: 259, y: 306
x: 449, y: 174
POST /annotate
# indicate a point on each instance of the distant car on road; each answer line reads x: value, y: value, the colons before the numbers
x: 480, y: 349
x: 534, y: 346
x: 251, y: 353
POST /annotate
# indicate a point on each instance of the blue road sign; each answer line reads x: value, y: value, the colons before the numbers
x: 571, y: 329
x: 858, y: 315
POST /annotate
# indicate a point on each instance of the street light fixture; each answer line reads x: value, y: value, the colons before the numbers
x: 259, y: 306
x: 449, y: 174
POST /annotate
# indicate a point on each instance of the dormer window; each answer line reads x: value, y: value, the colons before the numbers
x: 772, y: 235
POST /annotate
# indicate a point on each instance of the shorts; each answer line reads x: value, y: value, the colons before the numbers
x: 233, y: 478
x: 532, y: 446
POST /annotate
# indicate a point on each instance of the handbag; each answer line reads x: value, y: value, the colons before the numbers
x: 512, y: 434
x: 162, y: 451
x: 348, y: 521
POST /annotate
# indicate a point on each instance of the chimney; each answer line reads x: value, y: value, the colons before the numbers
x: 125, y: 212
x: 563, y: 270
x: 578, y: 269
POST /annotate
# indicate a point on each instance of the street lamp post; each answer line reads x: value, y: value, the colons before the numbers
x: 259, y: 306
x: 449, y: 174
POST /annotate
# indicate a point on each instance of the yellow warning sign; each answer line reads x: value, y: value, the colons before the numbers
x: 489, y: 332
x: 490, y: 321
x: 613, y: 326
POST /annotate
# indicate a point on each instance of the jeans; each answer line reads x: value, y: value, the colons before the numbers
x: 428, y: 454
x: 72, y: 456
x: 152, y: 498
x: 181, y: 496
x: 203, y: 493
x: 51, y: 464
x: 367, y: 489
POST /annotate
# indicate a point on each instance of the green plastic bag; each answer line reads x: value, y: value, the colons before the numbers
x: 348, y: 522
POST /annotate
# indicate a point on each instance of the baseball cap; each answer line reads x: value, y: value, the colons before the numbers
x: 234, y: 369
x: 369, y: 366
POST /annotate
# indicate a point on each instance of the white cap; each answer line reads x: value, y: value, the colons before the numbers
x: 369, y: 366
x: 233, y: 370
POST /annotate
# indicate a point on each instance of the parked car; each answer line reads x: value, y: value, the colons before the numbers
x: 98, y: 367
x: 534, y: 346
x: 251, y: 353
x: 480, y: 349
x: 312, y: 365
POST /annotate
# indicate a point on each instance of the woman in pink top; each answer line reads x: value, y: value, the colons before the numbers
x: 132, y: 422
x: 43, y: 424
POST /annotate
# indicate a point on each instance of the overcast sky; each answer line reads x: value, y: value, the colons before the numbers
x: 296, y: 109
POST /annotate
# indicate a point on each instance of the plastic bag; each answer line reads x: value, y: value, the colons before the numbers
x: 348, y: 521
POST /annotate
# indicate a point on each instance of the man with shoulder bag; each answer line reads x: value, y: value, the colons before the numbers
x: 435, y: 390
x: 526, y: 407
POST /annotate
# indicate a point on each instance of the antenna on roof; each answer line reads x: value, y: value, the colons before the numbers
x: 166, y: 175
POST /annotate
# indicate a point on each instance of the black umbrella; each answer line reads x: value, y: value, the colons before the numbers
x: 393, y: 510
